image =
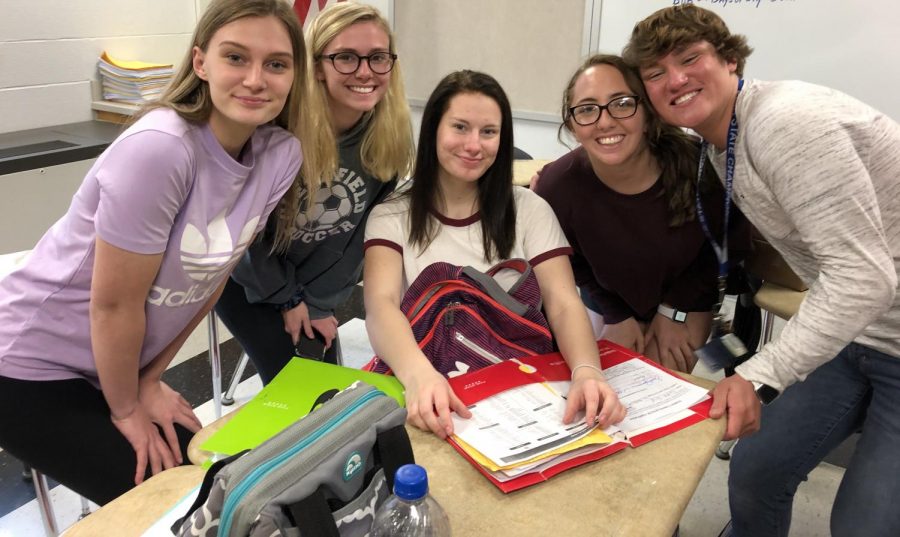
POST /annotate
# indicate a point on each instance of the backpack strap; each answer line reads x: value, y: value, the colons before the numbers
x: 313, y: 516
x: 525, y: 289
x: 493, y: 289
x: 516, y: 263
x: 420, y: 303
x: 323, y: 398
x: 395, y: 450
x: 205, y: 487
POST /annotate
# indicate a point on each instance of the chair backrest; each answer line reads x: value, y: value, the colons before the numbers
x: 518, y: 154
x: 782, y: 290
x: 766, y: 263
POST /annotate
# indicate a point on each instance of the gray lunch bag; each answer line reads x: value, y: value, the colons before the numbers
x: 325, y: 475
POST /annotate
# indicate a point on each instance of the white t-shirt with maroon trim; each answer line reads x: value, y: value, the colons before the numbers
x: 538, y: 237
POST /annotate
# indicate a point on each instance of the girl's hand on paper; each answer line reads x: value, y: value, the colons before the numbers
x: 429, y: 400
x: 590, y: 391
x: 627, y: 333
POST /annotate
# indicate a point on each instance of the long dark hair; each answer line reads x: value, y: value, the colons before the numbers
x: 675, y: 151
x: 495, y: 196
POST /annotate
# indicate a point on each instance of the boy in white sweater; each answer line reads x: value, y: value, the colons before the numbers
x: 818, y: 173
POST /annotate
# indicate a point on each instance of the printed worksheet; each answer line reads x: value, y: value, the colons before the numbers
x: 650, y: 396
x: 519, y: 424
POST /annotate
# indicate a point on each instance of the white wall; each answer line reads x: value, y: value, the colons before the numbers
x: 49, y: 51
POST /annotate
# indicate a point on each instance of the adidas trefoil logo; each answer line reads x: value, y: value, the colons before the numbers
x: 205, y: 257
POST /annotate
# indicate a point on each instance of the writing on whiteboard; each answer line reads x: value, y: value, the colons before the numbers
x: 726, y: 3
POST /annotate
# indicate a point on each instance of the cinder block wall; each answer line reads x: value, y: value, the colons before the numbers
x: 49, y: 51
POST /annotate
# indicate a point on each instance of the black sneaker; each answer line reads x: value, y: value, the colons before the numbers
x: 26, y: 473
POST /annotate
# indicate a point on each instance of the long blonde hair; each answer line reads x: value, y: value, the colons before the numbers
x: 188, y: 95
x: 387, y: 148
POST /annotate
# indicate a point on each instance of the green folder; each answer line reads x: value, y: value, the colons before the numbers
x: 289, y: 397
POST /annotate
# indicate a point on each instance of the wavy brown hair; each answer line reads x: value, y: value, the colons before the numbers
x: 679, y: 26
x: 676, y: 152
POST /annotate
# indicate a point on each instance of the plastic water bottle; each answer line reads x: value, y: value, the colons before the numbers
x: 411, y: 511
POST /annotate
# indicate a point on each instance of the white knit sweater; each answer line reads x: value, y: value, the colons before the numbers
x: 818, y: 174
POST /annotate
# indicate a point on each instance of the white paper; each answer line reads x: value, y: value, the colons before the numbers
x: 356, y: 350
x: 519, y: 424
x: 650, y: 395
x: 668, y: 420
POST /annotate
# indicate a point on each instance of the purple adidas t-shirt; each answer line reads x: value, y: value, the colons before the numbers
x: 165, y: 185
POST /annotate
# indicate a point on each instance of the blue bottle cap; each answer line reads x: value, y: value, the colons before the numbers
x: 411, y: 482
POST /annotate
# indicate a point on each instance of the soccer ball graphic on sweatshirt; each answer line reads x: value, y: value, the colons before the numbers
x: 330, y: 206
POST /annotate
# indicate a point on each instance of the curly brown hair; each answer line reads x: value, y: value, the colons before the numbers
x: 678, y: 26
x: 675, y: 151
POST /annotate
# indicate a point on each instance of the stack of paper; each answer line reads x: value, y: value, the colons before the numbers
x: 520, y: 429
x: 516, y: 436
x: 132, y: 81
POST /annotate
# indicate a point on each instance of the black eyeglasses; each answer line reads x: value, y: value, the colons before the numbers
x: 347, y: 63
x: 618, y: 108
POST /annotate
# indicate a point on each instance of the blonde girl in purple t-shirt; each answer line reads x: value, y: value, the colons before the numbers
x: 112, y: 291
x: 281, y: 306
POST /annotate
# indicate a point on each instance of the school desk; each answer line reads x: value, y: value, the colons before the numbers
x: 135, y: 511
x: 635, y: 492
x: 524, y: 170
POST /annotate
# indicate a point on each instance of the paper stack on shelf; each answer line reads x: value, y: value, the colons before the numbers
x: 516, y: 437
x: 132, y: 81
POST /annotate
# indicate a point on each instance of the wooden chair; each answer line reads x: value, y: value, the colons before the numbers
x: 780, y: 296
x: 782, y: 290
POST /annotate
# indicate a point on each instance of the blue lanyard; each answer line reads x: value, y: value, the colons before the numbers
x: 721, y: 250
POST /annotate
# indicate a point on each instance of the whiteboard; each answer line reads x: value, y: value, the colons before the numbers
x: 849, y: 45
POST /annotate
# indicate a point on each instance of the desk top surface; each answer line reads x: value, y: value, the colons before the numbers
x: 523, y: 170
x: 135, y: 511
x: 638, y: 491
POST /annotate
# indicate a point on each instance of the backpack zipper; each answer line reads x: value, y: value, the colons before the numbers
x: 254, y: 477
x: 426, y: 339
x: 450, y: 287
x: 476, y: 348
x: 450, y: 317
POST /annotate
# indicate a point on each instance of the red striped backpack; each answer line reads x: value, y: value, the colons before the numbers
x: 463, y: 320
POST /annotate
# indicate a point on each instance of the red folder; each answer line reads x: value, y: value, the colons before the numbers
x: 477, y: 385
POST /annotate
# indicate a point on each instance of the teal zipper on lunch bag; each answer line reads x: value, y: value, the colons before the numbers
x: 266, y: 468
